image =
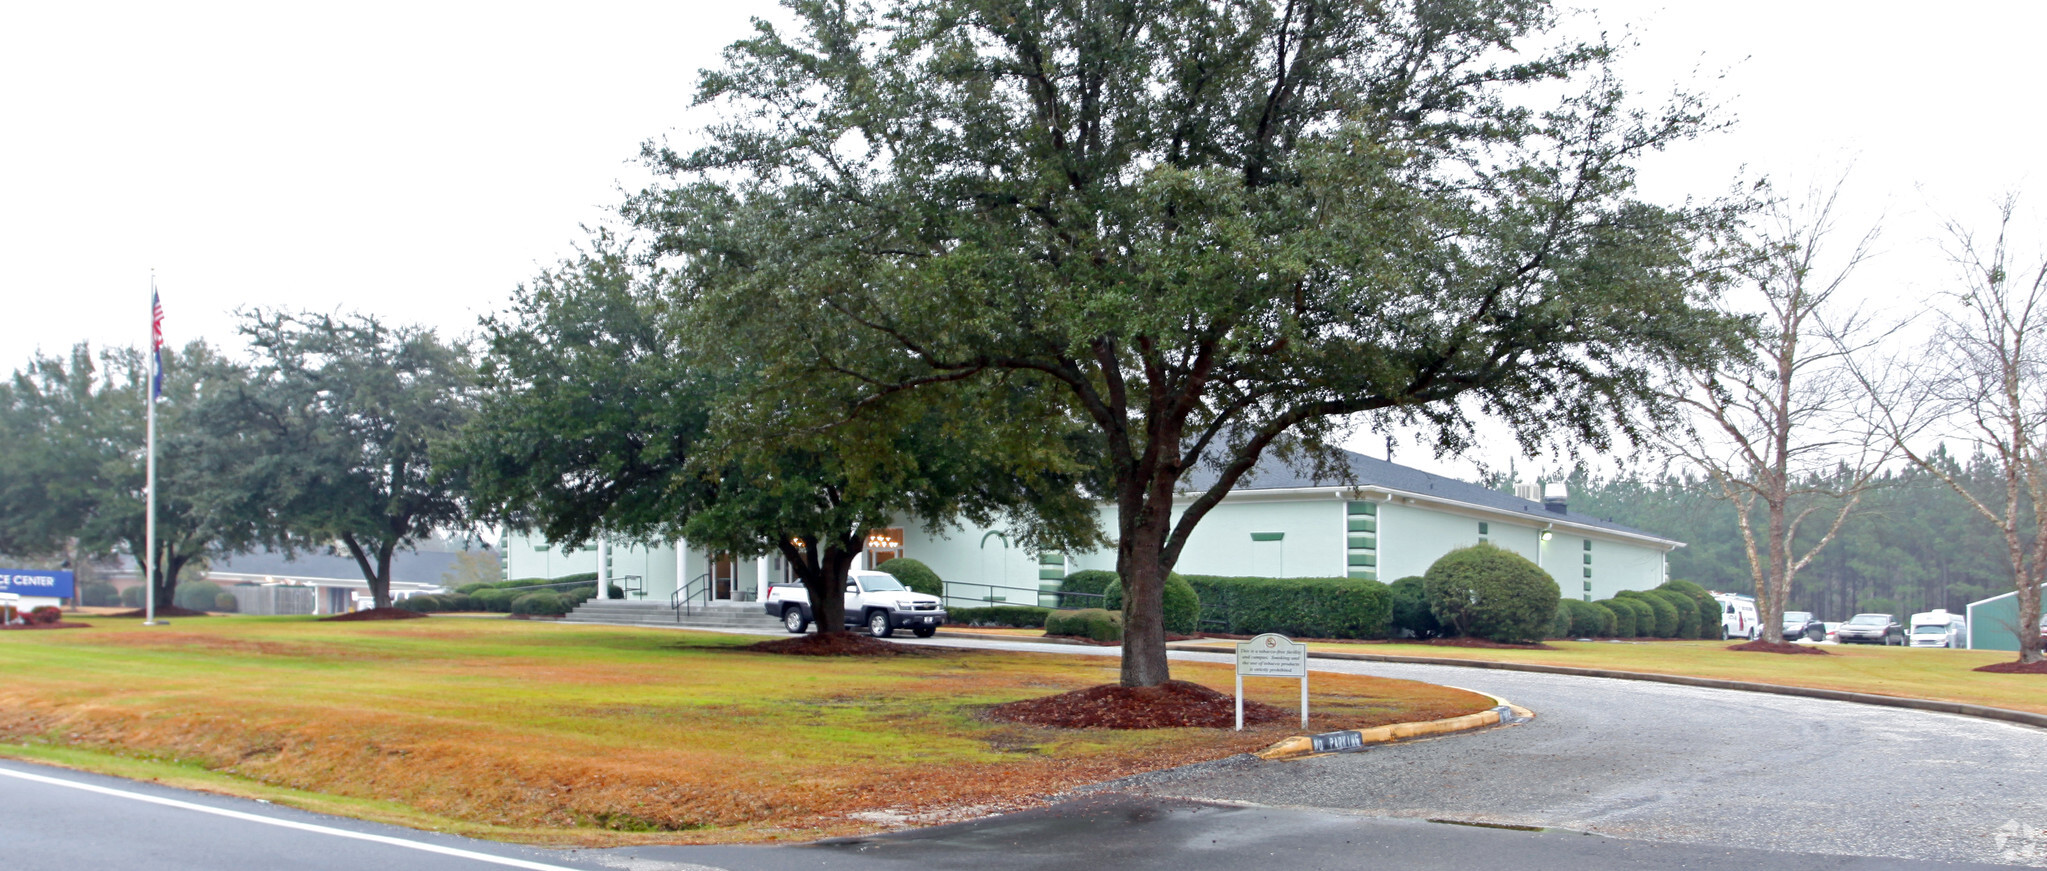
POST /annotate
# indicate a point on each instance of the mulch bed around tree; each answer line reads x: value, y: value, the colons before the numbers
x: 1761, y: 646
x: 373, y: 614
x: 1172, y: 704
x: 57, y: 625
x: 835, y: 644
x: 163, y: 611
x: 2015, y: 667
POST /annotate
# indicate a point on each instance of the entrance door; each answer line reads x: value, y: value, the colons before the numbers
x: 722, y: 567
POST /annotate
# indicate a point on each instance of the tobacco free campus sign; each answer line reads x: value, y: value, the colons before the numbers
x: 34, y: 582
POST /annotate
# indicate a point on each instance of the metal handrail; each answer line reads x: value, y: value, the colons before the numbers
x: 680, y: 600
x: 1060, y: 595
x: 637, y: 588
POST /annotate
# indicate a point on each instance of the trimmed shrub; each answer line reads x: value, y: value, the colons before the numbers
x: 1016, y: 616
x: 1645, y: 616
x: 545, y: 603
x: 1709, y: 607
x: 1560, y: 625
x: 1664, y: 622
x: 99, y: 594
x: 494, y: 600
x: 1623, y: 616
x: 418, y: 604
x: 1589, y: 620
x: 197, y: 595
x: 1182, y: 604
x: 574, y: 596
x: 226, y: 601
x: 132, y: 596
x: 1411, y: 608
x: 467, y: 589
x: 915, y: 575
x: 1687, y: 612
x: 1493, y: 593
x: 46, y: 615
x: 1092, y: 581
x: 1301, y: 607
x: 1094, y: 623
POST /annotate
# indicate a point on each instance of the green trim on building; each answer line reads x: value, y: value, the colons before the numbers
x: 1268, y: 536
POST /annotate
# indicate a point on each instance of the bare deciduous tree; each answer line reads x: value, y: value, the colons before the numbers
x: 1982, y: 378
x: 1782, y: 436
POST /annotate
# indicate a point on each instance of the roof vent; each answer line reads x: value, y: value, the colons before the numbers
x: 1555, y: 496
x: 1525, y: 490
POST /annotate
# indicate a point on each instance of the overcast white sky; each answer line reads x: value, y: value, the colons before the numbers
x: 418, y: 160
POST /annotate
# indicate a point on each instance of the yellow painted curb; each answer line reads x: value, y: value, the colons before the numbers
x: 1300, y: 746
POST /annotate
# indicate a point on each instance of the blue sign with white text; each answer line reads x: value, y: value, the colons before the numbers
x: 35, y: 582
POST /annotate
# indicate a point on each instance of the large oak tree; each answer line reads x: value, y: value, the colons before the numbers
x: 1214, y: 229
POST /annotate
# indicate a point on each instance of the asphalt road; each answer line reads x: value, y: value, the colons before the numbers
x: 1672, y: 764
x: 1612, y: 774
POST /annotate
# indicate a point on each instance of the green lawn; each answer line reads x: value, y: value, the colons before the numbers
x: 560, y: 733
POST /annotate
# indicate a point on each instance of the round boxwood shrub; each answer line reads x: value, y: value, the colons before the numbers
x: 226, y: 601
x: 1088, y: 584
x: 472, y: 588
x: 1663, y: 622
x: 1687, y: 612
x: 1493, y: 593
x: 1589, y: 620
x: 1645, y: 616
x: 1709, y: 607
x: 1183, y: 606
x: 1411, y: 609
x: 1560, y: 625
x: 1623, y: 617
x: 915, y: 575
x: 1094, y: 623
x: 417, y: 604
x: 493, y: 599
x: 545, y: 603
x: 197, y: 595
x: 99, y: 594
x: 132, y: 596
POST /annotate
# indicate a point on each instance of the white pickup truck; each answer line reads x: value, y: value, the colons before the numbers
x: 875, y: 600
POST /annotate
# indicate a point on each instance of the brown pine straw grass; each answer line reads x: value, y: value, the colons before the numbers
x: 564, y: 734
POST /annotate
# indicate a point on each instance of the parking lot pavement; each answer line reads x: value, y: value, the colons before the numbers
x: 1684, y: 765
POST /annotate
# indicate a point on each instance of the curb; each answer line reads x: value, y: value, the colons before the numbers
x: 2025, y: 718
x: 1350, y: 740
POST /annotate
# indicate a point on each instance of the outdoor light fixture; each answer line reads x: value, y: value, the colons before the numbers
x: 1545, y: 535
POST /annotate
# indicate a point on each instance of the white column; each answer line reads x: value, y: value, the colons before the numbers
x: 603, y: 566
x: 681, y: 564
x: 760, y: 578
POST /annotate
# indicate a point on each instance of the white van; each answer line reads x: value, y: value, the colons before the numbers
x: 1738, y: 617
x: 1937, y: 628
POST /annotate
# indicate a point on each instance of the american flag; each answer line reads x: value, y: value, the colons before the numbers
x: 156, y: 342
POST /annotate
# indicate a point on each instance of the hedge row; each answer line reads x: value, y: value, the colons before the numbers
x: 1094, y: 623
x: 504, y: 597
x: 1677, y: 609
x: 1015, y: 616
x: 1302, y: 607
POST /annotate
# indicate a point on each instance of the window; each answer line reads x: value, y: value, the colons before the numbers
x: 1588, y: 544
x: 1588, y: 586
x: 1588, y: 571
x: 1588, y: 559
x: 1482, y: 529
x: 1361, y: 546
x: 1268, y: 536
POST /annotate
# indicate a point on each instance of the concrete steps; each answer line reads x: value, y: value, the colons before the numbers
x: 727, y: 616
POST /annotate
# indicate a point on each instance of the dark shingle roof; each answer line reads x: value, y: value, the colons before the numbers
x: 1274, y: 474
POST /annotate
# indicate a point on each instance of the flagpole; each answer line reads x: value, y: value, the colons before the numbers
x: 149, y: 511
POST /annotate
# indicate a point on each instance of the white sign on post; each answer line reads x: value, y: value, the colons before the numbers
x: 1272, y: 655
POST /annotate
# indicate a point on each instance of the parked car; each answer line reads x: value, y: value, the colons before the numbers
x: 1738, y: 617
x: 1833, y: 627
x: 1938, y: 628
x: 1871, y: 629
x: 1802, y: 624
x: 875, y: 600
